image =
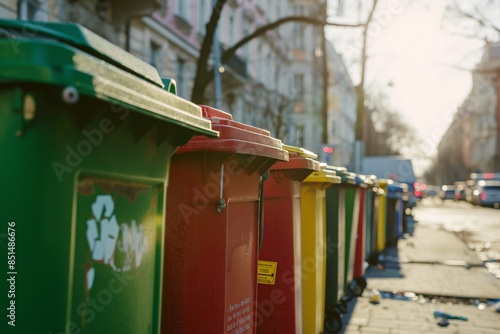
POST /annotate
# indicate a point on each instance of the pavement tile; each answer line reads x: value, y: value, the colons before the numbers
x: 358, y: 321
x: 371, y: 330
x: 393, y: 316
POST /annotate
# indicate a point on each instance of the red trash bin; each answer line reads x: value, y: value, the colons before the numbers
x: 212, y: 228
x: 279, y: 293
x: 359, y: 259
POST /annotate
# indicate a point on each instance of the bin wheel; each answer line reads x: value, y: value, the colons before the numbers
x: 333, y: 322
x: 348, y: 294
x: 356, y: 290
x: 357, y: 286
x: 341, y: 306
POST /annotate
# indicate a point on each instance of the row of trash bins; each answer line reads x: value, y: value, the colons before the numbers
x: 127, y: 209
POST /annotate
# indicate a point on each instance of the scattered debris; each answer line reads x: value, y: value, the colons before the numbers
x: 375, y: 296
x: 480, y: 303
x: 439, y: 314
x: 443, y: 322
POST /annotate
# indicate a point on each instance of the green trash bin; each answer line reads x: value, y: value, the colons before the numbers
x: 87, y: 134
x: 352, y: 204
x: 335, y: 238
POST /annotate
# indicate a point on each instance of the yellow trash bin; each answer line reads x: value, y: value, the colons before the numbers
x: 382, y: 183
x: 314, y: 248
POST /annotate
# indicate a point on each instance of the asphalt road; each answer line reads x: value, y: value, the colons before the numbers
x: 477, y: 227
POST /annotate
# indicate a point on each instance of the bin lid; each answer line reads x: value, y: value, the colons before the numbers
x: 69, y: 56
x: 360, y: 182
x: 300, y: 151
x: 369, y: 180
x: 396, y: 190
x: 346, y: 176
x: 84, y: 40
x: 301, y: 163
x: 325, y: 177
x: 384, y: 182
x: 235, y: 137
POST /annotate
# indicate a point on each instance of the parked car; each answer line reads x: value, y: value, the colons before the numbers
x: 460, y: 191
x: 431, y: 191
x: 447, y: 192
x: 489, y: 193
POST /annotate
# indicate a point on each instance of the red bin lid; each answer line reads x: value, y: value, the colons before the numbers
x: 235, y: 137
x: 301, y: 163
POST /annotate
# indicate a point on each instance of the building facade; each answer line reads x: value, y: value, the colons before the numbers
x: 472, y: 144
x: 342, y: 102
x: 274, y: 81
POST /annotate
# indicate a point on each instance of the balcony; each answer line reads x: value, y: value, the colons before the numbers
x: 123, y: 10
x: 236, y: 65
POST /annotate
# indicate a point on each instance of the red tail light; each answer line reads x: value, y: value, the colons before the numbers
x: 483, y: 195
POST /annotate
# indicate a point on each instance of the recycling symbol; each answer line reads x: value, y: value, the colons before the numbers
x: 103, y: 229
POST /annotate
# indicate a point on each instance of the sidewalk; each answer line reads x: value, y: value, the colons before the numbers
x: 443, y: 274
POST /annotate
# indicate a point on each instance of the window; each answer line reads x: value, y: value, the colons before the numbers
x: 260, y: 62
x: 202, y: 9
x: 33, y: 10
x: 232, y: 28
x: 155, y: 55
x: 180, y: 75
x: 299, y: 135
x: 246, y: 30
x: 181, y: 8
x: 298, y: 34
x: 334, y: 128
x: 298, y: 87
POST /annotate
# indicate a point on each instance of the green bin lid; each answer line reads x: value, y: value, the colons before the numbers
x: 69, y: 56
x: 82, y: 39
x: 346, y: 176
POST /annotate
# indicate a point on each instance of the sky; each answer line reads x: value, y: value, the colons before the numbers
x: 421, y: 67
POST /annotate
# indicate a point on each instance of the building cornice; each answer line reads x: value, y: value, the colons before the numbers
x: 171, y: 36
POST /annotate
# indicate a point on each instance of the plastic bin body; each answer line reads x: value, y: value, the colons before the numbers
x: 335, y: 236
x: 359, y: 257
x: 211, y: 253
x: 370, y: 207
x: 85, y: 180
x: 352, y: 205
x: 314, y: 248
x: 280, y: 299
x: 382, y: 216
x: 394, y: 214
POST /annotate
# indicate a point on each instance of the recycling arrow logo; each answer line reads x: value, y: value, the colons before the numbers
x: 102, y: 230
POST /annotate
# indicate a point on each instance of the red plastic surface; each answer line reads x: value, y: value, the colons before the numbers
x: 210, y: 268
x: 277, y: 307
x: 235, y: 137
x: 359, y: 259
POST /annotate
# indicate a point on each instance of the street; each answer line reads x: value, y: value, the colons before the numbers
x: 477, y: 227
x: 448, y: 265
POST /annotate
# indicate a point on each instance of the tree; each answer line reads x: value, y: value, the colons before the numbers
x: 473, y: 19
x: 360, y: 88
x: 392, y: 134
x: 204, y: 73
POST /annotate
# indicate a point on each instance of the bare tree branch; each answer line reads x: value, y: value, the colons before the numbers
x: 206, y: 48
x: 479, y: 17
x: 360, y: 89
x: 203, y: 77
x: 265, y: 28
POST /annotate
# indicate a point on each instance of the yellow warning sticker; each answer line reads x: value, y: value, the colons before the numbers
x: 266, y: 273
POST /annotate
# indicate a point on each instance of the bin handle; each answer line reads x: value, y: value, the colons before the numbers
x: 263, y: 178
x: 221, y: 203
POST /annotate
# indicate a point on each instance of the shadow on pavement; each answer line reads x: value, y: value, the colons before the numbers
x: 388, y: 265
x: 346, y: 318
